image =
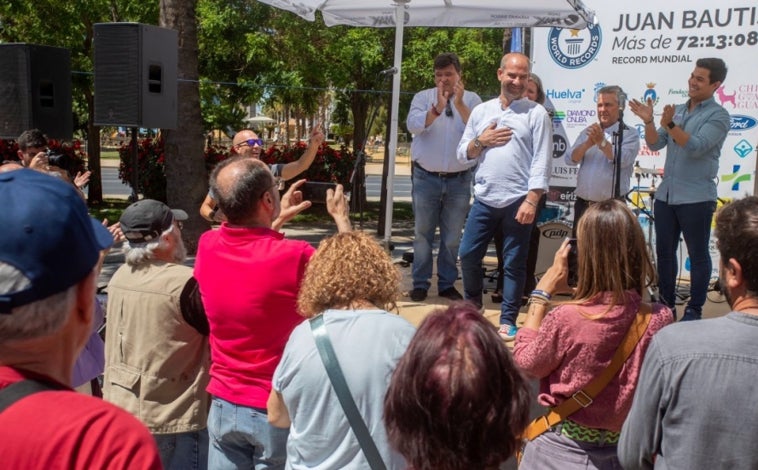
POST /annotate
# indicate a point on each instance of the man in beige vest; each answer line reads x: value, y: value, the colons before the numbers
x: 157, y: 354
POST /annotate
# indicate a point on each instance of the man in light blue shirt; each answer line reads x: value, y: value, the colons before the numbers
x: 441, y: 184
x: 511, y: 139
x: 686, y: 198
x: 595, y: 151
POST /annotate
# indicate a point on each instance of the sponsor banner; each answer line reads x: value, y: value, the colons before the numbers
x: 650, y: 48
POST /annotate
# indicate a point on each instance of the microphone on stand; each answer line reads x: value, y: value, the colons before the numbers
x: 389, y: 71
x: 448, y: 109
x: 622, y: 100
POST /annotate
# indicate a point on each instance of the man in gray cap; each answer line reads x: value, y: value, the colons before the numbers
x: 49, y: 259
x: 157, y: 355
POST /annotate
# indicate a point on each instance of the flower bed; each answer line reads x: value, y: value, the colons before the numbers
x: 330, y: 165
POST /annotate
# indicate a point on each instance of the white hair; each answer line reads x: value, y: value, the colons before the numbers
x: 143, y: 253
x: 35, y: 319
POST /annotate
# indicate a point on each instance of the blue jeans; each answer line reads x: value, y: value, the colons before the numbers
x: 481, y: 224
x: 184, y: 450
x: 694, y: 222
x: 438, y: 202
x: 242, y: 438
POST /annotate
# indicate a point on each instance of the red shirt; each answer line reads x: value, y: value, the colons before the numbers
x: 63, y: 429
x: 249, y: 279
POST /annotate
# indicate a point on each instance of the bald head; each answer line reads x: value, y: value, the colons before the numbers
x: 239, y: 185
x: 10, y: 166
x: 513, y: 75
x: 242, y: 144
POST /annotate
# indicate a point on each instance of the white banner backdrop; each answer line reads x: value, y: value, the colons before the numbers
x: 649, y: 48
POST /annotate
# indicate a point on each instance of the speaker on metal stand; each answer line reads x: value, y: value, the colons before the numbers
x: 135, y: 80
x: 35, y: 90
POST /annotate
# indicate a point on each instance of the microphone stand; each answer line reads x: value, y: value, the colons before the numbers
x: 619, y: 139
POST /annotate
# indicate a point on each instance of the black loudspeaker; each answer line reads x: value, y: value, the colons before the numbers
x: 35, y: 90
x: 135, y: 75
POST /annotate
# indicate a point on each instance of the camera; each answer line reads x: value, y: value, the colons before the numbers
x: 316, y: 192
x: 572, y: 242
x: 55, y: 158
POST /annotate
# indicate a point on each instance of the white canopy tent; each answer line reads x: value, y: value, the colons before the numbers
x: 435, y: 13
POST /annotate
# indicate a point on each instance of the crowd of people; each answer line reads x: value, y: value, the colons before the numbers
x: 270, y: 353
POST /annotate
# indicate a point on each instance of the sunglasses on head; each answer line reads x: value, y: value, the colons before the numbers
x: 251, y: 143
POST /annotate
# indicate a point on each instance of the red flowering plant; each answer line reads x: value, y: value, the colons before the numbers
x: 74, y: 159
x: 215, y: 154
x: 151, y: 173
x: 330, y: 165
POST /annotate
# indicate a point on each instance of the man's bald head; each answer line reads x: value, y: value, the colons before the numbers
x: 239, y: 184
x: 241, y: 144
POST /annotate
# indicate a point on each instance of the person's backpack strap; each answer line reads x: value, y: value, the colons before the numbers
x: 19, y: 390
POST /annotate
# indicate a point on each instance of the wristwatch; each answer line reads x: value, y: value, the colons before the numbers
x: 671, y: 125
x: 478, y: 143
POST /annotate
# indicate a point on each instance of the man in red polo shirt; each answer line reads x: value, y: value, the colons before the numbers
x: 249, y: 277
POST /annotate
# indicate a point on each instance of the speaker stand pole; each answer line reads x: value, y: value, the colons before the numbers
x: 135, y: 167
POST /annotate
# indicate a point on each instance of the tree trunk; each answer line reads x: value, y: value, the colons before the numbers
x: 186, y: 177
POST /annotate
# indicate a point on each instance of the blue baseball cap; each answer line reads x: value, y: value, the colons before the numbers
x: 47, y: 235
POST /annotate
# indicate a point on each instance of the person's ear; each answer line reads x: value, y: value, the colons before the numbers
x: 733, y: 273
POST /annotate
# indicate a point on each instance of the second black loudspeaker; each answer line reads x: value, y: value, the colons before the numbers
x: 135, y: 75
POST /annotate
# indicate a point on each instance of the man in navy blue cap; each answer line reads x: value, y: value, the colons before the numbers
x: 49, y: 258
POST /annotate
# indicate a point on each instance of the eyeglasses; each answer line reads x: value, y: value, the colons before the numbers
x: 250, y: 143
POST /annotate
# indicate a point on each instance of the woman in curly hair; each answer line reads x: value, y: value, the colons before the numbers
x: 352, y: 282
x: 456, y: 400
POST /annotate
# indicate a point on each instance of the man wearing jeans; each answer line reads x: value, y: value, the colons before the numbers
x: 249, y: 277
x: 686, y: 198
x: 511, y: 139
x: 441, y: 184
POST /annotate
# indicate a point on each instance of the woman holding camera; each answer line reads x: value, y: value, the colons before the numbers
x: 573, y: 344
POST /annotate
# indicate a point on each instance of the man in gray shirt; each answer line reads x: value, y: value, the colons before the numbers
x: 694, y: 407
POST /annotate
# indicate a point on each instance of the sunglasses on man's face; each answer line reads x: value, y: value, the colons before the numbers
x: 251, y: 143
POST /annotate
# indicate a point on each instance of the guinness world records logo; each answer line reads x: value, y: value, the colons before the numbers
x: 574, y: 48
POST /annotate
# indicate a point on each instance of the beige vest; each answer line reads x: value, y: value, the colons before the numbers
x: 156, y: 365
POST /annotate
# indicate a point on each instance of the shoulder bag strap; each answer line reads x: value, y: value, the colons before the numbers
x: 337, y: 378
x: 583, y: 398
x: 18, y: 390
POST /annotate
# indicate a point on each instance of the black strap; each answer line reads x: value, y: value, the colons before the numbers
x: 333, y: 369
x: 18, y: 390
